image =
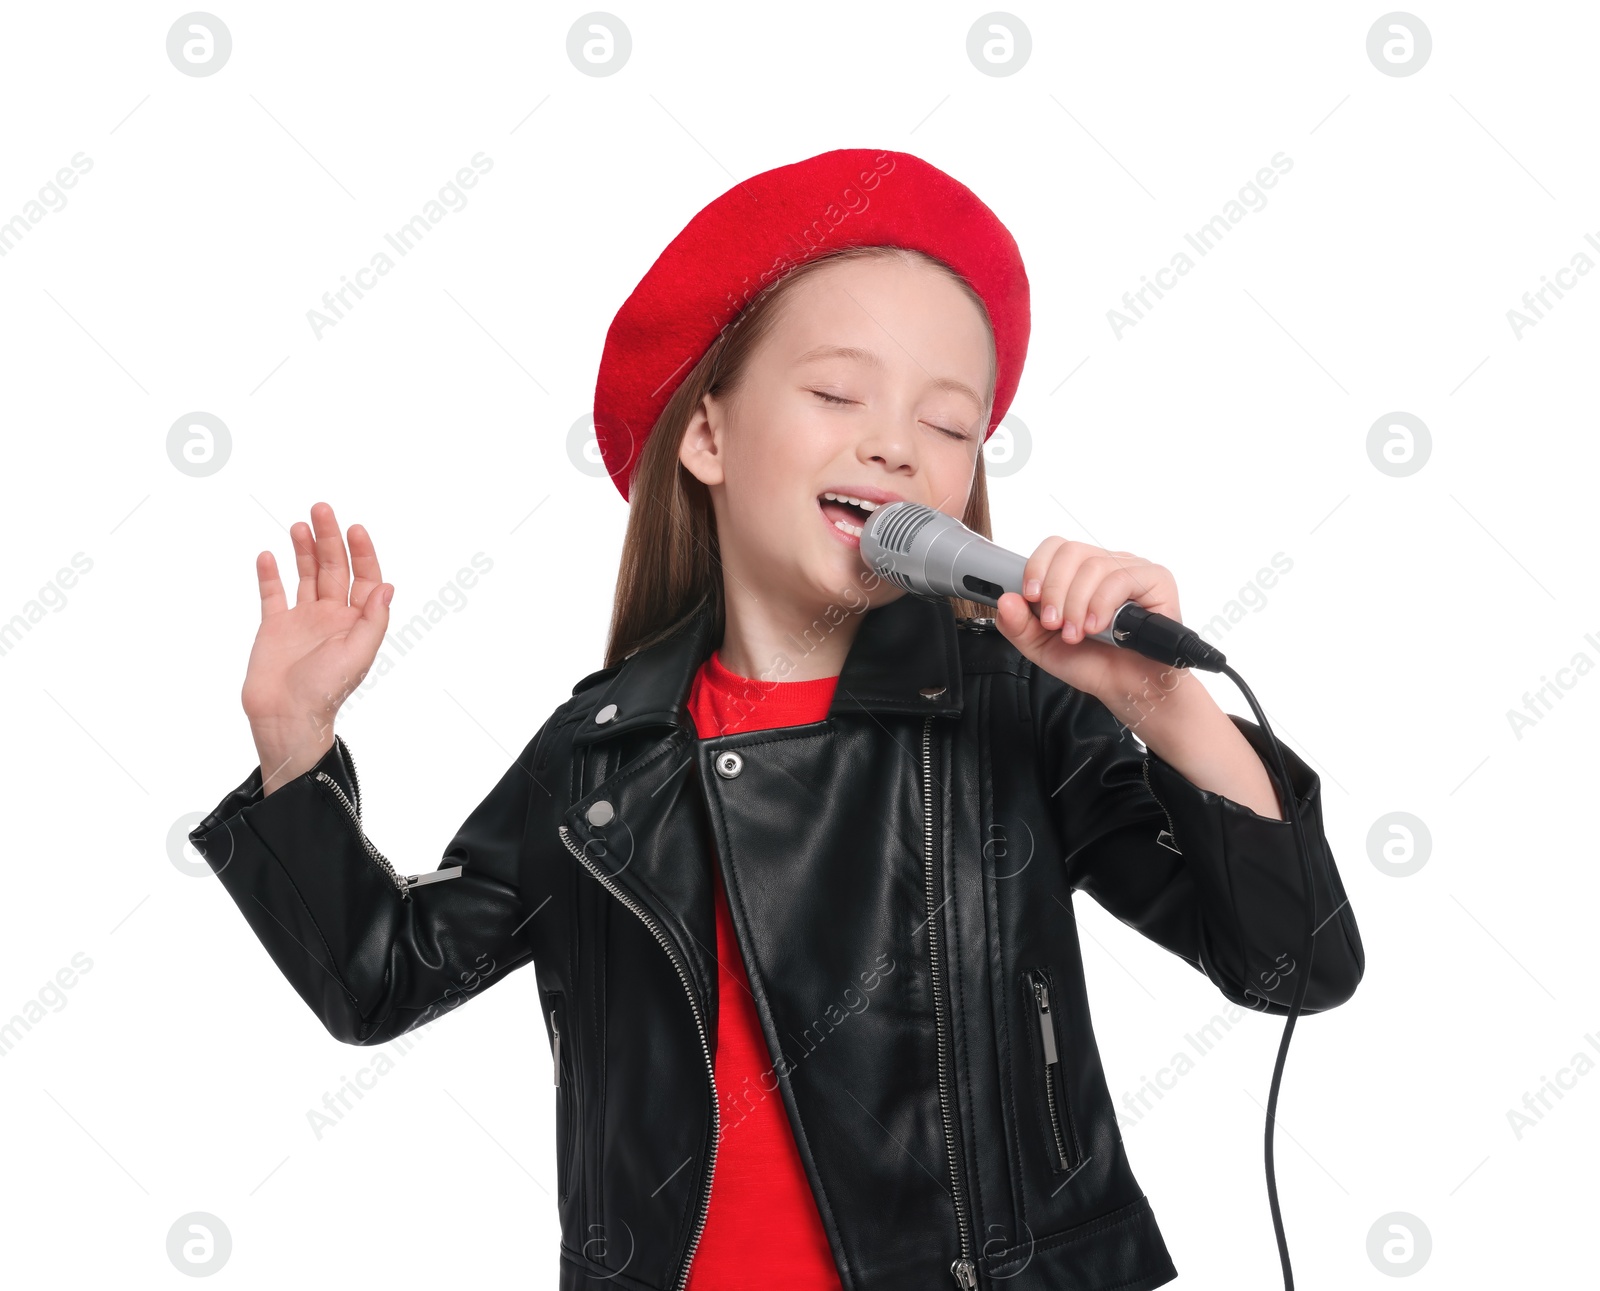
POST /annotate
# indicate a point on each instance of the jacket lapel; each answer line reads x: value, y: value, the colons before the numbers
x: 905, y: 658
x: 636, y: 831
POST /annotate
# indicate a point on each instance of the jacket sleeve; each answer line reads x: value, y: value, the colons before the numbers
x: 1196, y: 872
x: 370, y: 962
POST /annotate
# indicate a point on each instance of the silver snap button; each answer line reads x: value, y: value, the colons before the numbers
x: 932, y: 692
x: 600, y: 812
x: 606, y: 713
x: 728, y: 764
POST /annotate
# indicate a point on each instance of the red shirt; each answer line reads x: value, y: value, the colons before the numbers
x: 762, y: 1227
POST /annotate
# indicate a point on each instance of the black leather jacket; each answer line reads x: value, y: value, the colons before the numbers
x: 901, y: 878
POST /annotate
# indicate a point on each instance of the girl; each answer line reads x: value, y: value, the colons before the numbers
x: 795, y: 867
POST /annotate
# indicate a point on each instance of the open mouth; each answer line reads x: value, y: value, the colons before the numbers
x: 846, y: 514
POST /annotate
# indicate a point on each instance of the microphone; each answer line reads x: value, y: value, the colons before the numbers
x: 933, y: 555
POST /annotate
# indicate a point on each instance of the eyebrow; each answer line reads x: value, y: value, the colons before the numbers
x: 871, y: 359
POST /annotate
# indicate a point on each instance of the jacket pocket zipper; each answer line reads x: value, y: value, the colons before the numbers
x: 1067, y: 1149
x: 555, y: 1027
x: 616, y: 890
x: 403, y: 883
x: 565, y: 1105
x: 964, y: 1269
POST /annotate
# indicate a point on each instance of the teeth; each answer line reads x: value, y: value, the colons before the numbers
x: 847, y: 527
x: 855, y: 502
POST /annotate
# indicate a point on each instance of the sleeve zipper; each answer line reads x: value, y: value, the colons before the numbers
x: 403, y: 883
x: 1168, y: 837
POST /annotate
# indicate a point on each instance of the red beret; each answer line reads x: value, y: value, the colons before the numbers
x: 769, y: 224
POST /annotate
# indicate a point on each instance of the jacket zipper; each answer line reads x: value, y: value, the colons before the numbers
x: 699, y: 1021
x: 355, y: 780
x: 556, y: 1047
x: 1172, y: 845
x: 963, y: 1269
x: 565, y: 1103
x: 403, y: 882
x: 1047, y: 1036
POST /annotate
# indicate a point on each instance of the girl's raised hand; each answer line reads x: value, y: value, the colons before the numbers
x: 1079, y: 587
x: 307, y: 660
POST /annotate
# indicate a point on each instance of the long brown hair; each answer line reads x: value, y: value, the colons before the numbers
x: 671, y: 564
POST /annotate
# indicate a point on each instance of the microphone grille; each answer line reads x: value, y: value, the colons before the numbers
x: 900, y: 526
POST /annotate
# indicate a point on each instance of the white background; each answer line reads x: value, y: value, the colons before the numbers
x: 1230, y: 424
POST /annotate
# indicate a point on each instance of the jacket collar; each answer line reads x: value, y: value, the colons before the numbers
x: 905, y: 658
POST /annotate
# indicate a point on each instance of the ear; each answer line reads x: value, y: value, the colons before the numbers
x: 700, y: 449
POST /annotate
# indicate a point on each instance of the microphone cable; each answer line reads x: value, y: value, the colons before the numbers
x: 1311, y: 929
x: 1165, y: 640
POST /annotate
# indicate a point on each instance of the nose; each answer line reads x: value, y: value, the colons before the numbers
x: 891, y: 446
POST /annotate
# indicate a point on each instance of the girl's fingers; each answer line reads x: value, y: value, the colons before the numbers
x: 1058, y: 580
x: 1021, y: 625
x: 333, y: 566
x: 305, y: 561
x: 364, y: 560
x: 1142, y: 577
x: 272, y: 596
x: 1038, y: 565
x: 366, y: 636
x: 1102, y: 584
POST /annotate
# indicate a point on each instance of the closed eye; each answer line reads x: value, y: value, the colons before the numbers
x: 835, y: 399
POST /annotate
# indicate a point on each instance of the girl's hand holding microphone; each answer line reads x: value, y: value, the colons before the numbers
x: 307, y: 659
x: 1078, y: 587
